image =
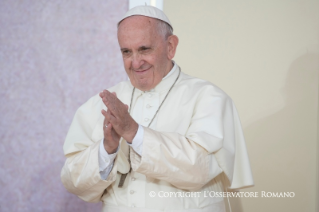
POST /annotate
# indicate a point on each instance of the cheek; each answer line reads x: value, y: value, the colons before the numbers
x: 152, y: 59
x: 126, y: 63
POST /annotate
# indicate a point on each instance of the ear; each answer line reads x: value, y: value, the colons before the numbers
x: 172, y: 42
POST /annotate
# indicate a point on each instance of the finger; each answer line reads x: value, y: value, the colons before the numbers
x: 102, y: 94
x: 109, y: 129
x: 126, y: 106
x: 105, y: 112
x: 114, y: 94
x: 111, y: 133
x: 115, y: 136
x: 113, y: 103
x: 105, y: 122
x: 109, y: 116
x: 108, y: 112
x: 108, y: 133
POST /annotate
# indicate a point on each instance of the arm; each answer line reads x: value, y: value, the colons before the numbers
x: 81, y: 176
x: 178, y: 168
x: 81, y: 173
x: 190, y: 160
x: 212, y: 144
x: 214, y: 135
x: 106, y: 161
x: 176, y: 159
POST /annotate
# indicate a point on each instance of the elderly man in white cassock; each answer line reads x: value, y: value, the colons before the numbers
x: 161, y: 141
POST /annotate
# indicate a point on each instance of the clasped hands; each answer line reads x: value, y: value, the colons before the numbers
x: 118, y: 121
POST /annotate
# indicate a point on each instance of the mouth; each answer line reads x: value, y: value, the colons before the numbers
x: 142, y: 71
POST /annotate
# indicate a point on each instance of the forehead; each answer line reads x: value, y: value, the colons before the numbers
x: 138, y: 30
x: 137, y: 21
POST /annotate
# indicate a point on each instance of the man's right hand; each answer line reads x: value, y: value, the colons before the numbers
x: 111, y: 138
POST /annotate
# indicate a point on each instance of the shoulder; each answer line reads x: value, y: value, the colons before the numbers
x: 201, y: 88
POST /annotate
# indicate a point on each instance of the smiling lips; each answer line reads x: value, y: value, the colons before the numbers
x: 143, y: 71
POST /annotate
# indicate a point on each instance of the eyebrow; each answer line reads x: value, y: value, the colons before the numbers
x: 144, y: 47
x: 141, y: 47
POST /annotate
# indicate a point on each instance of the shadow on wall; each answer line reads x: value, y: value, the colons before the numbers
x: 282, y: 146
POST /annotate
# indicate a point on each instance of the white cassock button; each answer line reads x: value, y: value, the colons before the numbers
x: 148, y: 106
x: 146, y: 119
x: 133, y: 178
x: 133, y: 205
x: 131, y: 192
x: 149, y: 95
x: 107, y: 160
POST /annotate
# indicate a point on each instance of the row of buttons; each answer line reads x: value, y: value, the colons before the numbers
x: 131, y: 191
x: 148, y: 106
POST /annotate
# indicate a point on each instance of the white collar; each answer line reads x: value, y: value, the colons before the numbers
x: 171, y: 71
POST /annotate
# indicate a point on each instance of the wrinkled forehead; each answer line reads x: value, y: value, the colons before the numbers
x: 138, y: 31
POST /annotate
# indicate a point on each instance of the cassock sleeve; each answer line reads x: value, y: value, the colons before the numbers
x: 213, y: 144
x: 80, y: 174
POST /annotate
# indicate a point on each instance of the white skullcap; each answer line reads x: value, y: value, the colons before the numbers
x: 148, y: 11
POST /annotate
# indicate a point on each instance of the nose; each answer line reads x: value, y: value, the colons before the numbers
x: 137, y: 61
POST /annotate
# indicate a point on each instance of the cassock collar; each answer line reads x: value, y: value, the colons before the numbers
x: 166, y: 82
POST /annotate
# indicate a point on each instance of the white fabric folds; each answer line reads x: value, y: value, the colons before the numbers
x: 195, y: 138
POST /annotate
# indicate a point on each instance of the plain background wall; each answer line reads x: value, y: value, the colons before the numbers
x: 264, y: 54
x: 54, y: 55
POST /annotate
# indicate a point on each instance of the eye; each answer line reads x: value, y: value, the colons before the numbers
x: 144, y: 49
x: 126, y: 52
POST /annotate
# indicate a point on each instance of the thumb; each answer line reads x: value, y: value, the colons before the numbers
x: 109, y: 128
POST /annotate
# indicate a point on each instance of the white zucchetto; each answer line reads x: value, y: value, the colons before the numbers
x: 149, y: 11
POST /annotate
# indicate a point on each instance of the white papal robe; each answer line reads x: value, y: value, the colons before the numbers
x: 194, y: 141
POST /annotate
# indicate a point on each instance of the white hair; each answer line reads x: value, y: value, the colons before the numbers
x: 164, y: 29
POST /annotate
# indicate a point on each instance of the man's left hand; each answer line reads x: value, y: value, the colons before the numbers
x: 119, y: 117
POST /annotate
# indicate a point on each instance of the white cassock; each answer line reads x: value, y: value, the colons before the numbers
x: 194, y: 141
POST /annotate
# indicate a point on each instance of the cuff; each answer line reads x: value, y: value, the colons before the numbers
x: 137, y: 142
x: 105, y: 159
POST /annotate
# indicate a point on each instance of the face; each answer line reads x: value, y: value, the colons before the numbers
x: 146, y: 53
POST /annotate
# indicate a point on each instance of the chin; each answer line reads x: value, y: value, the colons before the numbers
x: 143, y: 85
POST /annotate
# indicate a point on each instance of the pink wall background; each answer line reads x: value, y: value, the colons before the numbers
x: 54, y: 55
